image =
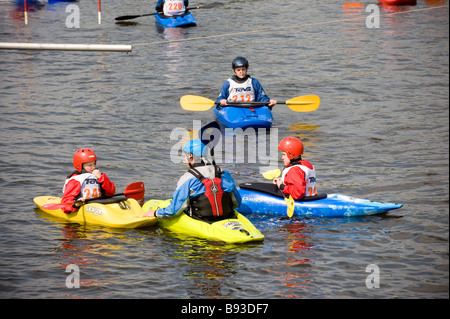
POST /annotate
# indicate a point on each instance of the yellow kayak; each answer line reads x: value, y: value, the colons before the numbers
x: 126, y: 213
x: 231, y: 230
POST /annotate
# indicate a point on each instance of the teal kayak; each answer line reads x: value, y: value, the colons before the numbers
x: 264, y: 198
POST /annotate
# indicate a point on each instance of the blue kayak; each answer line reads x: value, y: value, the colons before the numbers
x: 185, y: 20
x: 264, y: 198
x: 244, y: 117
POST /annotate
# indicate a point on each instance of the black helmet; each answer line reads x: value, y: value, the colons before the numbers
x: 239, y: 62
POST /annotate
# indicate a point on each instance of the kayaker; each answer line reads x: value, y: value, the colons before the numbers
x: 298, y: 177
x: 172, y: 7
x: 204, y: 192
x: 86, y: 181
x: 241, y: 87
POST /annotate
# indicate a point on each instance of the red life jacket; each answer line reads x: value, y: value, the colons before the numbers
x: 214, y: 202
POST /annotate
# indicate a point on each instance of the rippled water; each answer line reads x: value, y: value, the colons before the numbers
x: 381, y: 133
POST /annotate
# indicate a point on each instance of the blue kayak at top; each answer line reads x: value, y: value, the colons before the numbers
x: 244, y: 117
x: 185, y: 20
x: 261, y: 198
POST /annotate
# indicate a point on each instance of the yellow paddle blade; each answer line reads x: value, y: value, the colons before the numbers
x: 196, y: 103
x: 274, y: 173
x: 305, y: 103
x: 290, y: 206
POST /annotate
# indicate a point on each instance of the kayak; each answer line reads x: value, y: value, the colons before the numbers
x: 244, y: 117
x: 231, y: 230
x: 264, y: 198
x: 399, y: 2
x: 110, y: 212
x: 185, y: 20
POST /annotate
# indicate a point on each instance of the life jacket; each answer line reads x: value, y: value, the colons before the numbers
x: 89, y: 185
x: 241, y: 92
x: 215, y: 203
x: 174, y: 7
x: 310, y: 176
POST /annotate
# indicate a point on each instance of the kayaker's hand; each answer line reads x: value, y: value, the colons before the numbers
x: 272, y: 102
x: 278, y: 182
x: 79, y: 203
x: 97, y: 173
x: 223, y: 102
x: 149, y: 213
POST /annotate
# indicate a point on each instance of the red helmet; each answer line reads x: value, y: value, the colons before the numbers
x: 82, y: 156
x: 292, y: 146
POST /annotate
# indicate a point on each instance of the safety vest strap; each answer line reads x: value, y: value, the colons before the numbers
x: 197, y: 174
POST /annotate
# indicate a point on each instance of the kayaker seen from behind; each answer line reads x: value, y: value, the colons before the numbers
x: 86, y: 181
x: 298, y: 177
x: 205, y: 192
x: 172, y: 8
x: 241, y: 87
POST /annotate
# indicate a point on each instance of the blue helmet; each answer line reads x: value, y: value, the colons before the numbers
x: 195, y: 147
x: 239, y: 62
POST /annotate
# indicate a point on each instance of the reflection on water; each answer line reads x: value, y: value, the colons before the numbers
x: 308, y: 133
x: 298, y: 260
x: 208, y: 268
x: 176, y: 53
x: 76, y: 247
x: 96, y: 251
x: 206, y: 265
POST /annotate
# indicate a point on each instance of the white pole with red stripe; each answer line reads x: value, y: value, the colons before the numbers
x: 25, y: 11
x: 99, y: 12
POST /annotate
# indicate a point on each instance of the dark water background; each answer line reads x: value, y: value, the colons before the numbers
x: 381, y: 133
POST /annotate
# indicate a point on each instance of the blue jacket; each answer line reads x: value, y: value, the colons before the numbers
x: 260, y: 95
x: 190, y: 187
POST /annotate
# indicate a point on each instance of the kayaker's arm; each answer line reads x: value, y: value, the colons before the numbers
x: 72, y: 190
x: 180, y: 198
x: 260, y: 94
x: 107, y: 185
x: 223, y: 92
x: 228, y: 185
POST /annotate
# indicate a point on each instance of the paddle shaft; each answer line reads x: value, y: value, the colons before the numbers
x: 129, y: 17
x: 247, y: 104
x: 264, y: 103
x: 87, y: 200
x: 133, y: 188
x: 306, y: 103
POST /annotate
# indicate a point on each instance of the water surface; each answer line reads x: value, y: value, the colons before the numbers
x: 381, y: 133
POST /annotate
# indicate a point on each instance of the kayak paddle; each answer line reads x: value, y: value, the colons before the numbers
x: 305, y: 103
x: 206, y: 6
x: 134, y: 190
x: 274, y: 173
